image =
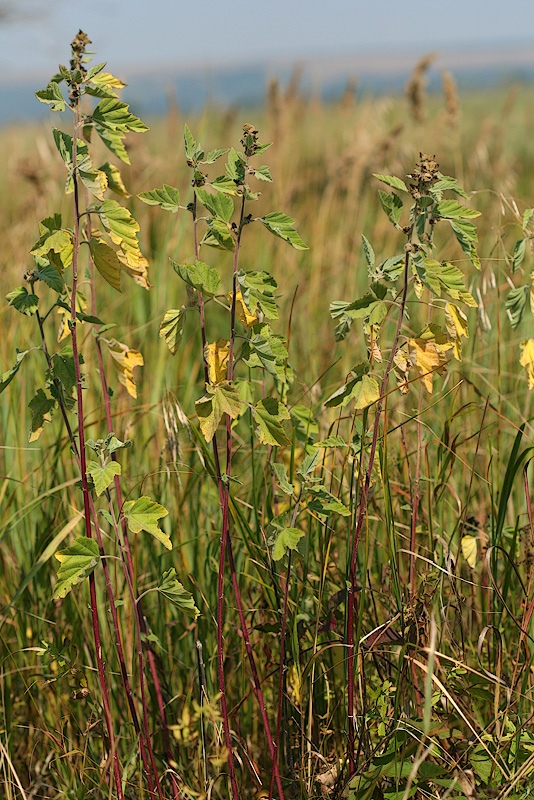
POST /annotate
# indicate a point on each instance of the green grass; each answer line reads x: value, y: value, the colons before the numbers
x: 470, y: 721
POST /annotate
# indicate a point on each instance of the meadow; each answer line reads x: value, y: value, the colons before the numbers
x: 369, y: 613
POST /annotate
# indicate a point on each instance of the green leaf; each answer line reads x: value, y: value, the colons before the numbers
x: 368, y: 251
x: 22, y: 301
x: 95, y: 70
x: 106, y: 261
x: 519, y: 254
x: 113, y: 444
x: 114, y: 141
x: 258, y: 290
x: 270, y: 351
x: 438, y: 276
x: 200, y: 276
x: 76, y: 564
x: 213, y: 155
x: 122, y: 229
x: 393, y: 181
x: 103, y: 475
x: 102, y: 92
x: 527, y: 216
x: 218, y: 235
x: 114, y: 179
x: 115, y: 116
x: 7, y: 376
x: 49, y: 274
x: 63, y: 370
x: 225, y: 184
x: 40, y: 405
x: 172, y: 326
x: 168, y: 198
x: 52, y: 96
x: 466, y: 234
x: 95, y: 180
x: 172, y: 589
x: 309, y: 465
x: 392, y: 205
x: 210, y: 408
x: 263, y: 173
x: 280, y: 470
x: 450, y: 209
x: 515, y: 304
x: 269, y: 413
x: 143, y: 515
x: 235, y: 166
x: 444, y: 184
x: 283, y: 226
x: 323, y: 502
x: 219, y: 204
x: 190, y: 144
x: 57, y: 246
x: 287, y: 539
x: 361, y: 387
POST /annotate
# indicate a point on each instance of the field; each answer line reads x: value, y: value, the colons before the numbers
x: 396, y: 667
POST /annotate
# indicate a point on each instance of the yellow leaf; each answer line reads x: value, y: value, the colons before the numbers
x: 293, y: 684
x: 427, y: 359
x: 217, y: 357
x: 527, y: 359
x: 241, y: 310
x: 138, y: 272
x: 457, y: 327
x: 81, y: 306
x: 125, y: 361
x: 107, y: 79
x: 469, y: 550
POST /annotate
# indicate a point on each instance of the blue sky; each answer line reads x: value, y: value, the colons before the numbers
x: 154, y: 33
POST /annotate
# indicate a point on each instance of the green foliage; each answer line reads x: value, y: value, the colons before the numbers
x: 167, y: 198
x: 77, y: 562
x: 171, y: 588
x: 143, y: 515
x: 283, y: 226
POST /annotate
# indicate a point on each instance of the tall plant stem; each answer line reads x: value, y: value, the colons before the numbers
x: 83, y: 466
x: 361, y: 509
x: 118, y: 640
x: 225, y: 499
x: 127, y: 562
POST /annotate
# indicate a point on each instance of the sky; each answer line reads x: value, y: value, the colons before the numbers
x: 140, y: 35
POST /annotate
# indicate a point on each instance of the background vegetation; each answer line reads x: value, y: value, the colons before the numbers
x: 444, y: 682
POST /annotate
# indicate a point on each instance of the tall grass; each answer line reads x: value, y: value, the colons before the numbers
x: 443, y: 701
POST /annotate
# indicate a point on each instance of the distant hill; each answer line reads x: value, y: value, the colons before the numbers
x: 246, y: 85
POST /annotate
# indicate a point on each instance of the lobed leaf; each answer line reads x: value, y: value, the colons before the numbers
x: 167, y: 198
x: 115, y: 116
x: 52, y: 96
x: 287, y: 539
x: 172, y: 326
x: 24, y: 302
x: 270, y: 413
x: 171, y: 588
x: 282, y: 226
x: 219, y: 204
x: 200, y: 276
x: 77, y: 562
x: 393, y: 181
x: 7, y: 376
x: 103, y: 474
x: 40, y: 405
x: 143, y: 515
x: 224, y: 399
x: 125, y: 360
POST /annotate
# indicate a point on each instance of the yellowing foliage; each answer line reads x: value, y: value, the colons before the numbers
x: 217, y: 354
